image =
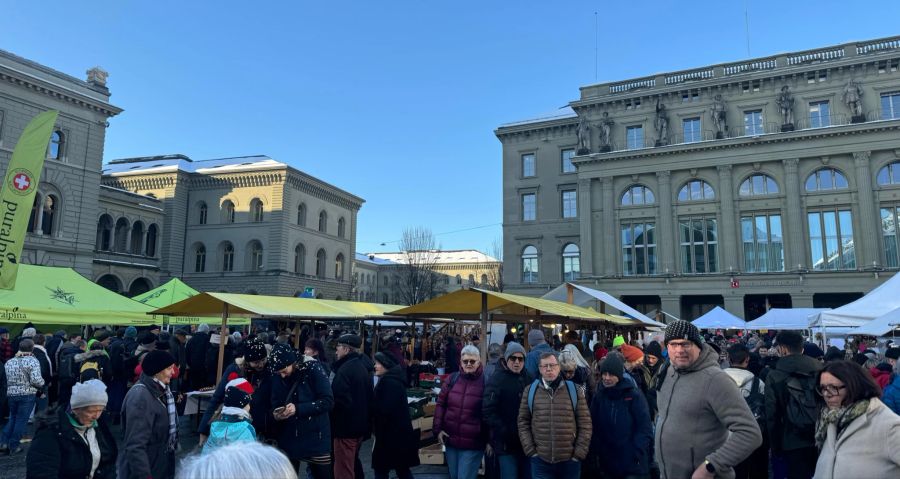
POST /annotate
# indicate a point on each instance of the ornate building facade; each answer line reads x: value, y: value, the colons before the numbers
x: 770, y: 182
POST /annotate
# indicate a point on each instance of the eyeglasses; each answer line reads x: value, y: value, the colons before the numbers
x: 549, y: 366
x: 515, y: 359
x: 469, y: 362
x: 828, y: 389
x: 684, y: 345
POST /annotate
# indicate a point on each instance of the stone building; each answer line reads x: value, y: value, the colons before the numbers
x: 247, y: 224
x: 769, y: 182
x: 380, y: 274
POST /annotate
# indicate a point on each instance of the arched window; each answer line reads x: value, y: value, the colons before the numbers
x: 530, y: 264
x: 139, y: 286
x: 484, y: 279
x: 889, y: 175
x: 227, y: 211
x: 571, y: 259
x: 341, y: 225
x: 758, y: 184
x: 104, y: 233
x: 320, y: 263
x: 255, y: 256
x: 339, y: 267
x: 696, y: 190
x: 323, y: 222
x: 256, y: 210
x: 121, y: 241
x: 152, y: 233
x: 471, y: 280
x: 49, y: 214
x: 638, y: 195
x: 199, y: 258
x: 110, y: 282
x: 57, y: 142
x: 202, y: 213
x: 458, y: 279
x: 301, y: 214
x: 826, y: 179
x: 227, y: 252
x: 35, y: 209
x: 137, y: 238
x: 300, y: 259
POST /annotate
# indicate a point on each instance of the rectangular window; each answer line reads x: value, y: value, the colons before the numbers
x: 566, y: 158
x: 634, y: 137
x: 699, y: 245
x: 753, y: 122
x: 831, y: 240
x: 528, y: 165
x: 763, y: 243
x: 569, y: 204
x: 819, y: 114
x: 890, y: 105
x: 889, y: 235
x: 529, y: 207
x: 691, y: 128
x: 638, y: 249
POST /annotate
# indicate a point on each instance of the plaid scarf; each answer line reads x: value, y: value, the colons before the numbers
x: 173, y: 417
x: 840, y: 417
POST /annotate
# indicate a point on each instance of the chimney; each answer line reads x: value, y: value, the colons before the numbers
x: 96, y: 78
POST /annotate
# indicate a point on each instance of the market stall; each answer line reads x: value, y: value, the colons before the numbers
x: 176, y: 290
x: 579, y: 295
x: 718, y: 318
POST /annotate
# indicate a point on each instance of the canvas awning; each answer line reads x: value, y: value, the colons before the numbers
x: 584, y: 296
x: 176, y: 290
x: 881, y: 300
x: 252, y: 305
x: 60, y: 296
x: 718, y: 318
x: 879, y: 326
x: 784, y: 318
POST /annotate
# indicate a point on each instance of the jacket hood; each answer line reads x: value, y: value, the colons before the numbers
x: 88, y: 354
x: 709, y: 358
x: 798, y: 363
x: 739, y: 376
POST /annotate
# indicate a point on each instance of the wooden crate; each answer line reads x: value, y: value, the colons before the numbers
x: 432, y: 454
x: 429, y: 409
x: 426, y: 423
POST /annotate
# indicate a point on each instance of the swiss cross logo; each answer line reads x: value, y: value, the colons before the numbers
x: 21, y: 182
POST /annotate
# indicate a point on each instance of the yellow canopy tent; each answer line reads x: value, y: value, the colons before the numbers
x: 474, y: 303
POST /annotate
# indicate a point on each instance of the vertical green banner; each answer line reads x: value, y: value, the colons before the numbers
x: 19, y: 187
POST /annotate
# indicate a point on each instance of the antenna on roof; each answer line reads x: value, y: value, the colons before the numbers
x: 747, y: 26
x: 596, y: 46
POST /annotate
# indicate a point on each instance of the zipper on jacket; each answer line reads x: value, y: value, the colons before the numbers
x: 552, y: 430
x: 662, y: 459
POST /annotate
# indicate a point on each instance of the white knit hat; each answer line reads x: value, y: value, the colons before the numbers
x: 29, y: 332
x: 88, y: 393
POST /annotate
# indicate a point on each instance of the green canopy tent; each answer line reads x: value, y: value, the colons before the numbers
x: 51, y: 296
x: 177, y: 290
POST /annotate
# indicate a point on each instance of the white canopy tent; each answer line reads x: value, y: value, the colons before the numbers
x: 585, y: 297
x: 875, y: 303
x: 784, y: 318
x: 718, y: 318
x: 881, y: 325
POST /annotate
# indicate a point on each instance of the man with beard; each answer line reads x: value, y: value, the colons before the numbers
x: 253, y: 369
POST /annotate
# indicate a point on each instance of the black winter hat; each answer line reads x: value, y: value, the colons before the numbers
x: 653, y: 349
x: 613, y: 364
x: 386, y: 360
x: 254, y: 350
x: 351, y: 340
x: 282, y: 356
x: 892, y: 353
x: 147, y: 338
x: 156, y: 361
x: 683, y: 330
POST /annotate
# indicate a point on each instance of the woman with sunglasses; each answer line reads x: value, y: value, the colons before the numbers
x: 457, y: 417
x: 502, y: 397
x: 857, y: 435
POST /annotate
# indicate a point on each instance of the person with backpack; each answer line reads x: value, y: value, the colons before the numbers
x: 791, y: 406
x: 502, y: 394
x: 704, y: 427
x: 94, y: 364
x: 68, y: 371
x: 753, y: 390
x: 458, y: 423
x: 554, y: 423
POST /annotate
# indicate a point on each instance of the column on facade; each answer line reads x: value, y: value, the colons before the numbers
x: 585, y: 220
x: 128, y: 239
x: 665, y: 242
x: 728, y: 239
x: 802, y: 300
x: 670, y: 304
x: 609, y: 227
x: 734, y: 303
x: 793, y: 217
x: 866, y: 255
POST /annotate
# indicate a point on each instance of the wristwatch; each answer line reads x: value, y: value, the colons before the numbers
x: 709, y: 467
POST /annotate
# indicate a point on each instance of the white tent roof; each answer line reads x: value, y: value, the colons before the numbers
x: 718, y: 318
x: 793, y: 318
x: 881, y: 325
x: 584, y: 296
x: 877, y: 302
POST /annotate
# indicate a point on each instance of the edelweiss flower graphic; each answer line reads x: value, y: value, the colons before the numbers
x: 63, y: 297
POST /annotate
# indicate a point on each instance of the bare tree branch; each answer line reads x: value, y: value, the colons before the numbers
x: 495, y: 272
x: 419, y: 280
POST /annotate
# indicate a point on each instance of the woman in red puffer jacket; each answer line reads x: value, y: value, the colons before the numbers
x: 458, y: 424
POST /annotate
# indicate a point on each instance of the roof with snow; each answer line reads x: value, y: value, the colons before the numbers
x: 171, y: 163
x: 364, y: 258
x: 560, y: 114
x: 443, y: 256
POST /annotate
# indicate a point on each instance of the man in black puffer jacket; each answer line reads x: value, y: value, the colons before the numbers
x: 502, y: 395
x: 353, y: 397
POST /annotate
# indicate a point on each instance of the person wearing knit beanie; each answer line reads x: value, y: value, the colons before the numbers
x: 235, y: 423
x: 282, y: 356
x: 156, y: 362
x: 618, y: 341
x: 131, y: 332
x: 386, y: 360
x: 238, y: 393
x: 88, y: 393
x: 653, y: 353
x: 535, y: 337
x: 29, y: 332
x: 683, y: 330
x: 612, y: 370
x: 632, y: 354
x: 255, y: 353
x: 513, y: 347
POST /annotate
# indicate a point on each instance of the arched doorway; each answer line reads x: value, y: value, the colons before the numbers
x: 139, y: 286
x: 110, y: 282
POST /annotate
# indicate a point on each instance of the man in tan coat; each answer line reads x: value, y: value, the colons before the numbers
x: 554, y: 423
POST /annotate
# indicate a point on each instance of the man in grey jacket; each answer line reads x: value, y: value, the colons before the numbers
x: 704, y: 427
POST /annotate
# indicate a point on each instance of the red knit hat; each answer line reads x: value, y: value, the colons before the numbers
x: 238, y: 392
x: 631, y: 353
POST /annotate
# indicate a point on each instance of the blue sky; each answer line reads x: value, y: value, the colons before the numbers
x: 394, y: 101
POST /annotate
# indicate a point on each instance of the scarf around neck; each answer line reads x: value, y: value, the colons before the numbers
x: 840, y: 417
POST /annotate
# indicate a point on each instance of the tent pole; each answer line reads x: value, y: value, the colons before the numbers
x: 375, y: 338
x: 484, y: 320
x: 425, y: 340
x: 570, y: 293
x: 223, y: 336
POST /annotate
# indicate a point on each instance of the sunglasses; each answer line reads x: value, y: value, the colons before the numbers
x: 469, y: 362
x: 515, y: 359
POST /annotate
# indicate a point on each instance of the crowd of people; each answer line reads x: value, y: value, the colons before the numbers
x: 676, y: 405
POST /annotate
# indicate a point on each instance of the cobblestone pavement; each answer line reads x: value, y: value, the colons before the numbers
x: 13, y: 467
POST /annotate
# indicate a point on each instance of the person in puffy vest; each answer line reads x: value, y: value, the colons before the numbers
x: 457, y: 417
x: 234, y: 423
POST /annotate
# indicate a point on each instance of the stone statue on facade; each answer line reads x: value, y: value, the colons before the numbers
x: 785, y: 102
x: 584, y: 137
x: 717, y: 113
x: 661, y: 124
x: 605, y: 132
x: 852, y: 97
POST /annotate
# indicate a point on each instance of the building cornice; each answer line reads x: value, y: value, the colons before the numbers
x: 561, y: 127
x: 57, y: 91
x: 319, y: 189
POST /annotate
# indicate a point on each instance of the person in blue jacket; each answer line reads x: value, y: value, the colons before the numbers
x: 234, y: 423
x: 891, y: 396
x: 622, y: 431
